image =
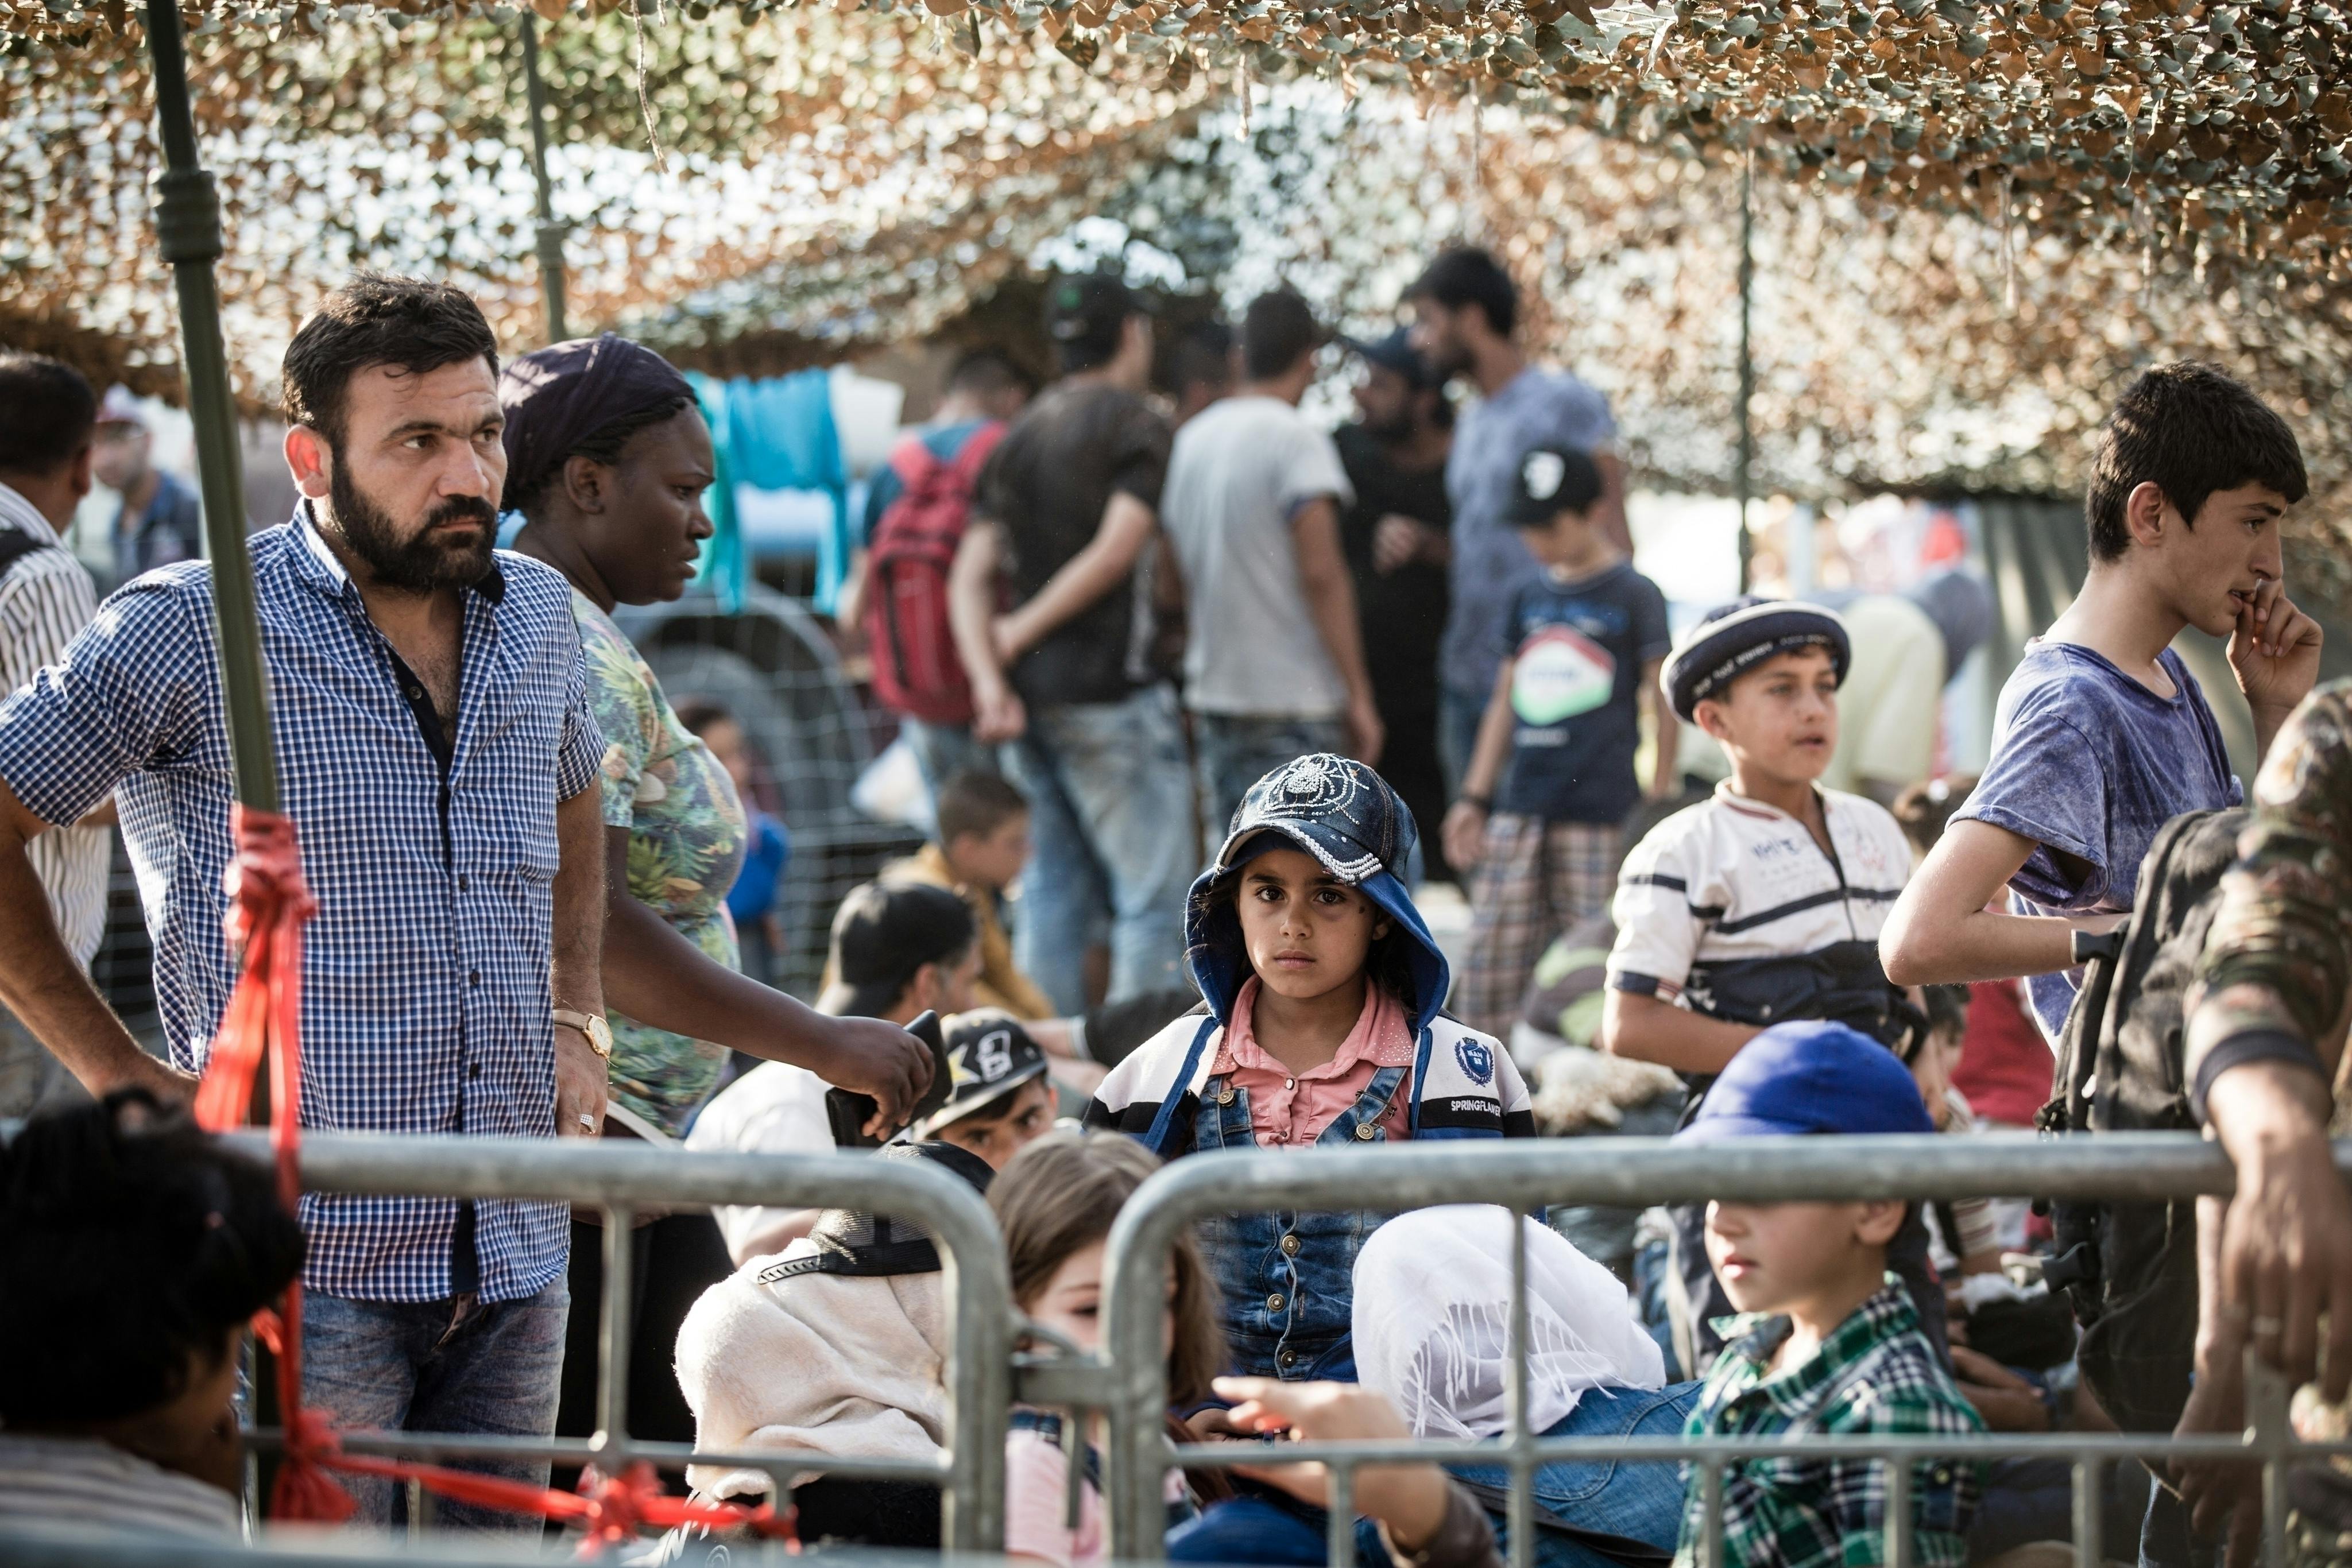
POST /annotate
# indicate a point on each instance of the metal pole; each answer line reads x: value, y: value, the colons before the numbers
x: 551, y: 232
x: 188, y: 231
x: 1745, y: 482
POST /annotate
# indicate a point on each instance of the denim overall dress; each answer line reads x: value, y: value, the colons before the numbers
x: 1287, y: 1278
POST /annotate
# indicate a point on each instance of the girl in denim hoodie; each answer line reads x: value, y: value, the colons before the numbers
x: 1323, y: 988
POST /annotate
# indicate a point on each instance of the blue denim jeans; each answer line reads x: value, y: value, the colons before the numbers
x: 943, y: 751
x: 1642, y: 1501
x: 1110, y: 811
x: 466, y: 1367
x: 1287, y: 1280
x: 1239, y: 750
x: 1263, y: 1527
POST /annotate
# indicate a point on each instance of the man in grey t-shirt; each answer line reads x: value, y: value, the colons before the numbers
x: 1465, y: 310
x: 1274, y: 668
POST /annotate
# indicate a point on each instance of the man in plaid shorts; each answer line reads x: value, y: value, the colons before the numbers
x: 1587, y: 639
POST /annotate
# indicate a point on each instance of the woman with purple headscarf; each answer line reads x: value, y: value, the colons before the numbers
x: 607, y: 459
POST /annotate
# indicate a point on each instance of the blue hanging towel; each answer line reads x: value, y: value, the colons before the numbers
x: 781, y: 437
x: 723, y: 570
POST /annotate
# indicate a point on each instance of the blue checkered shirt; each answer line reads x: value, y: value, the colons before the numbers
x: 425, y: 990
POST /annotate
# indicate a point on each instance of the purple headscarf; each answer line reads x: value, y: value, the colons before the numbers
x: 557, y: 397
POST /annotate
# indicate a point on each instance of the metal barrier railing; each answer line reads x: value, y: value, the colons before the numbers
x: 622, y: 1179
x: 1131, y: 1379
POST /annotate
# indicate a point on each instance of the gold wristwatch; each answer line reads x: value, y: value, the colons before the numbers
x: 593, y: 1025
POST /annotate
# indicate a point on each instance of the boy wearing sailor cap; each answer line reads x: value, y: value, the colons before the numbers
x: 1759, y: 905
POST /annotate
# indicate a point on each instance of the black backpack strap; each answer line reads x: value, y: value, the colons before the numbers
x: 15, y: 544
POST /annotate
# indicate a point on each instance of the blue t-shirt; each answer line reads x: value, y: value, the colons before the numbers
x: 1576, y: 651
x: 944, y: 441
x: 2091, y: 764
x: 766, y: 855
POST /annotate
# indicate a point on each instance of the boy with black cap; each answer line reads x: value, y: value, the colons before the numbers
x: 1552, y: 774
x: 1760, y: 905
x: 898, y: 952
x: 1000, y: 1099
x: 1323, y: 987
x: 1829, y: 1343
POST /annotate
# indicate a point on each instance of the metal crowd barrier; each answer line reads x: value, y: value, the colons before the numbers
x: 622, y: 1178
x: 1130, y: 1380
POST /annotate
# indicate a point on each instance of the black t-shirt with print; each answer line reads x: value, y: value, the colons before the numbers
x: 1577, y: 649
x: 1047, y: 484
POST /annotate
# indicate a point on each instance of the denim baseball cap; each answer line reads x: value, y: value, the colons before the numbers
x: 1335, y: 808
x: 1812, y: 1077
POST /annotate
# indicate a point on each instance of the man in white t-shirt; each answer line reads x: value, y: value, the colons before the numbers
x: 1273, y: 667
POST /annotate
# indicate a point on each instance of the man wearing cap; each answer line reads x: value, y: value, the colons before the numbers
x: 161, y: 519
x: 1275, y: 666
x: 1064, y: 520
x: 45, y: 413
x: 1397, y: 537
x: 1465, y: 311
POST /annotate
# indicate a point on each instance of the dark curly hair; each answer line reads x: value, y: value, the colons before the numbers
x: 132, y: 1243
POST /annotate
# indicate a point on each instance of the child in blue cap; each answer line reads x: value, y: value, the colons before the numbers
x: 1826, y: 1341
x: 1323, y: 987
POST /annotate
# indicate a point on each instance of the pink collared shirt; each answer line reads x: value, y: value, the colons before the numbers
x: 1291, y: 1110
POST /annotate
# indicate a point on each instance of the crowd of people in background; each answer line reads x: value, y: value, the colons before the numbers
x: 1202, y: 705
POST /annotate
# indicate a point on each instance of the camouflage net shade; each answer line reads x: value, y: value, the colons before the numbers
x: 2216, y: 130
x: 884, y: 166
x: 1973, y: 220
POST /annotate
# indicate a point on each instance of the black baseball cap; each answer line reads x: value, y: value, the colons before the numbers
x: 1552, y: 480
x: 990, y: 1056
x: 1395, y: 352
x: 882, y: 935
x: 1090, y: 309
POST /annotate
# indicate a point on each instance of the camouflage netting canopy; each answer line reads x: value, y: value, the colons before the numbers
x: 1972, y: 220
x: 885, y: 166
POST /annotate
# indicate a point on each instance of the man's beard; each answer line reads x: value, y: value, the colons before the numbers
x: 421, y: 564
x: 1394, y: 431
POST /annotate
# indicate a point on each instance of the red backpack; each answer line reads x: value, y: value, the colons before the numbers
x: 915, y: 670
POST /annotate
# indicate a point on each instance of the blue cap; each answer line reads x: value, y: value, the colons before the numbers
x: 1811, y: 1077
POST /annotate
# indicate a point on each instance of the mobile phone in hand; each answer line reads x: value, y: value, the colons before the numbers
x: 847, y: 1112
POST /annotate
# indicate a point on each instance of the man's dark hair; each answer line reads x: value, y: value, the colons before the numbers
x: 1466, y: 274
x: 47, y: 414
x: 1203, y: 356
x: 2189, y: 429
x: 976, y: 801
x: 985, y: 373
x: 378, y: 318
x: 130, y: 1245
x: 1278, y: 330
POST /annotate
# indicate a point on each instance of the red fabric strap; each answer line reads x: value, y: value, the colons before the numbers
x: 268, y: 903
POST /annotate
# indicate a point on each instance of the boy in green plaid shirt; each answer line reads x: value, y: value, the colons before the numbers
x: 1827, y: 1342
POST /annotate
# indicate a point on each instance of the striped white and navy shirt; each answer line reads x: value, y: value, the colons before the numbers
x: 46, y: 598
x: 426, y: 971
x: 1733, y: 907
x: 83, y: 1484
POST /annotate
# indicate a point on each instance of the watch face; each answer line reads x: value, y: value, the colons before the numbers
x: 600, y: 1035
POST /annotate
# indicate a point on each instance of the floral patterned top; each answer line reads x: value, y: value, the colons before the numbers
x: 686, y: 836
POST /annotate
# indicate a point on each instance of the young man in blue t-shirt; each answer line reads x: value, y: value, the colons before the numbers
x: 2101, y: 735
x: 1551, y: 777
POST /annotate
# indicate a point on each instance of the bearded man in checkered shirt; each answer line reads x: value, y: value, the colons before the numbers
x: 437, y: 756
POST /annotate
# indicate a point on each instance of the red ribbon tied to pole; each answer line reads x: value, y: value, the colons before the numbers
x: 268, y: 903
